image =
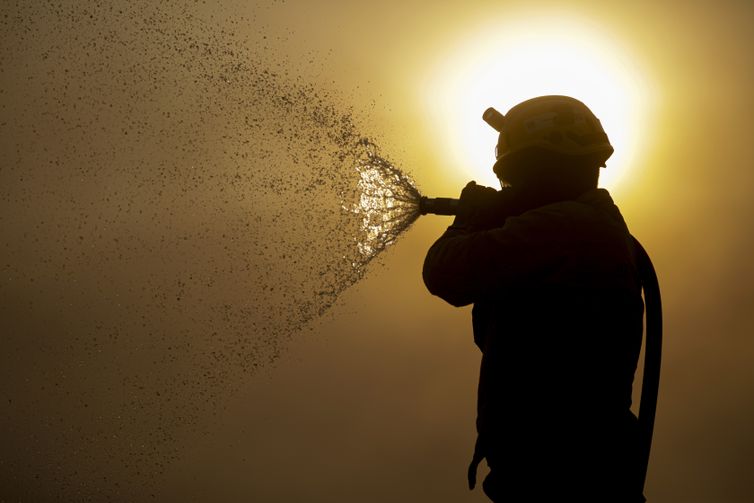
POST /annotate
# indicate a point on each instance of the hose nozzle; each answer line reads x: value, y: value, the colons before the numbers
x: 438, y: 205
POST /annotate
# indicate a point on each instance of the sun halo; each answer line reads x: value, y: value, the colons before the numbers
x: 504, y: 65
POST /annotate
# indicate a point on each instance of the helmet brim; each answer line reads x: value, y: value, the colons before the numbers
x: 542, y: 155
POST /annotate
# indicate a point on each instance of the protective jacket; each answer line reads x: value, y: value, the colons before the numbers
x: 558, y: 317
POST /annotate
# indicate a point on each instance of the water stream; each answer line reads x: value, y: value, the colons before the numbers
x: 176, y: 207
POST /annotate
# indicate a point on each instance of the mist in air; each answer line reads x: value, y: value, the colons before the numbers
x: 176, y: 208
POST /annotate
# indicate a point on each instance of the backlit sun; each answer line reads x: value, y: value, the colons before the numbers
x: 505, y: 63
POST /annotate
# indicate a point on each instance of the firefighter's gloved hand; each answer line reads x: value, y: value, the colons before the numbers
x: 479, y: 207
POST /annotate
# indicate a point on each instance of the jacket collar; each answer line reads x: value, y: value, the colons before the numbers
x: 600, y: 199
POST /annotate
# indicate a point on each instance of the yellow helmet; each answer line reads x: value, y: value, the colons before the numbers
x: 558, y: 125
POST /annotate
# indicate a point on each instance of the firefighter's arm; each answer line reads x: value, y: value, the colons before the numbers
x: 463, y: 266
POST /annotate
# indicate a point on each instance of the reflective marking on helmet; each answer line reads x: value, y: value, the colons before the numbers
x: 552, y: 120
x: 541, y: 121
x: 587, y: 139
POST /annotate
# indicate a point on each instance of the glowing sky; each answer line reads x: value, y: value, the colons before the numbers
x: 503, y: 62
x: 374, y: 402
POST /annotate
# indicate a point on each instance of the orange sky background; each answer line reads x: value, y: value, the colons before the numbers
x: 375, y: 401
